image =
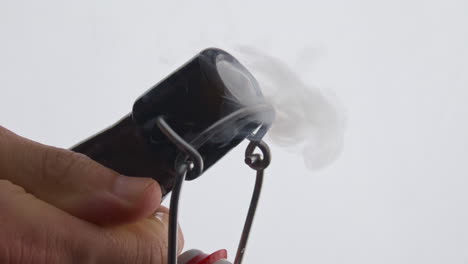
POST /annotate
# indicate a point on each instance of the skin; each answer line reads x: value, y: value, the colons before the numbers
x: 58, y: 206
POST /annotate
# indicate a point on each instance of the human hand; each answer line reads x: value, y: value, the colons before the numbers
x: 58, y: 206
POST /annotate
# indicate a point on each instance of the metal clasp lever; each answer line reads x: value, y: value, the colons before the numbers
x: 194, y: 161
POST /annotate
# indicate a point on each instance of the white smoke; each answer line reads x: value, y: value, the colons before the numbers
x: 308, y: 119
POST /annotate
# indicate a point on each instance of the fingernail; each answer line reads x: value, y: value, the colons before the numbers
x: 160, y: 216
x: 131, y: 188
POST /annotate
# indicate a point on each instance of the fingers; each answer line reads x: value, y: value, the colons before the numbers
x: 36, y: 232
x: 75, y: 183
x: 134, y: 238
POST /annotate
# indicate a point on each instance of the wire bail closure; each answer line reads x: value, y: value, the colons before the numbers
x: 194, y: 161
x: 258, y: 162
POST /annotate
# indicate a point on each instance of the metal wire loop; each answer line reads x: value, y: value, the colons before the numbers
x: 258, y: 161
x: 192, y: 154
x: 194, y: 161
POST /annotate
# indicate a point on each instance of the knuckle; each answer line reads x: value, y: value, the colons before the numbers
x: 10, y: 252
x: 6, y: 135
x: 3, y: 131
x: 53, y: 249
x: 61, y: 167
x: 146, y: 251
x: 139, y: 248
x: 21, y: 248
x: 57, y: 164
x: 11, y: 188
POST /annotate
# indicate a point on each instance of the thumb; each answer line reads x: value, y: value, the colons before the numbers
x: 75, y: 183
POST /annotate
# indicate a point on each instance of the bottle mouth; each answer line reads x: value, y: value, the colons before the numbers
x: 240, y: 85
x: 250, y: 123
x: 257, y: 119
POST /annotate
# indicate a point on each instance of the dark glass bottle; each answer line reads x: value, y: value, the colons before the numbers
x: 205, y: 91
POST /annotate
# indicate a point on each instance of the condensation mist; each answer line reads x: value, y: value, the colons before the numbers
x: 309, y: 120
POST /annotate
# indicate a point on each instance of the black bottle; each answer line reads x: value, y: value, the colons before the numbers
x: 208, y: 88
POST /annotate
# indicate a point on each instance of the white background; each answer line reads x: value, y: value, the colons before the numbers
x: 397, y: 194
